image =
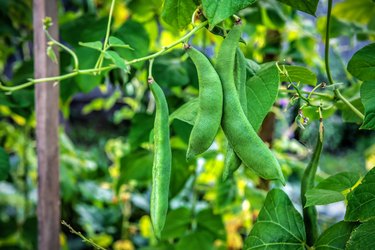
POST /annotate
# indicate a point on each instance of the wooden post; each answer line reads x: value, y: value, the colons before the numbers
x: 47, y: 116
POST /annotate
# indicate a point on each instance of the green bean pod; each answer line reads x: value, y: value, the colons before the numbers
x: 232, y: 162
x: 161, y: 170
x: 310, y: 215
x: 210, y: 105
x: 238, y: 130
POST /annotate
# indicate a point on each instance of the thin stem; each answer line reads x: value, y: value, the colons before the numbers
x: 166, y: 48
x: 95, y: 70
x: 313, y: 90
x: 105, y: 44
x: 326, y: 49
x: 40, y: 80
x: 84, y: 239
x: 109, y: 24
x: 71, y: 52
x: 150, y: 68
x: 328, y: 70
x: 344, y: 100
x: 307, y: 92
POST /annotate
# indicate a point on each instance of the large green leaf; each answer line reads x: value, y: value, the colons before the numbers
x: 335, y: 237
x: 318, y: 196
x: 196, y: 240
x: 298, y: 74
x: 261, y: 93
x: 180, y: 172
x: 116, y: 59
x: 360, y: 11
x: 212, y: 223
x: 4, y: 164
x: 135, y: 35
x: 362, y: 64
x: 368, y: 101
x: 218, y: 10
x: 279, y: 225
x: 340, y: 182
x: 187, y: 112
x: 177, y: 223
x: 170, y: 70
x: 362, y: 237
x: 177, y: 13
x: 87, y: 59
x: 308, y: 6
x: 331, y: 189
x: 361, y: 201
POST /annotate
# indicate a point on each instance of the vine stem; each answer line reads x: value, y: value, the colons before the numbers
x: 75, y: 58
x: 105, y: 44
x: 84, y: 239
x: 95, y: 70
x: 328, y: 96
x: 327, y: 66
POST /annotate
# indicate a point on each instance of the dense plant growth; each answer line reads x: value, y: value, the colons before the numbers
x: 203, y: 119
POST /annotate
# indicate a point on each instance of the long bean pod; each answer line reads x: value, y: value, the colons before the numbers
x: 210, y: 105
x: 239, y: 132
x: 232, y: 162
x: 161, y: 170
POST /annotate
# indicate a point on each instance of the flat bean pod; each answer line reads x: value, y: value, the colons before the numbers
x: 239, y: 132
x: 161, y: 170
x: 210, y: 105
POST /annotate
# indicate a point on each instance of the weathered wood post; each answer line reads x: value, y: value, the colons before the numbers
x: 47, y: 116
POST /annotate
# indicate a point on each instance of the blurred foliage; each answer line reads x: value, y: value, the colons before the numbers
x: 105, y: 148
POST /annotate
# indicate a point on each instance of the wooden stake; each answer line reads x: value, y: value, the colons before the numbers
x: 47, y: 116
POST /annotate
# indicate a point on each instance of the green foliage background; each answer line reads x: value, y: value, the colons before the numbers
x: 105, y: 146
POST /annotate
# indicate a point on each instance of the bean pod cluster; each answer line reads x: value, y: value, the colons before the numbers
x: 222, y: 103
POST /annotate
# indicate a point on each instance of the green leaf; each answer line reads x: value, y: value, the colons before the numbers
x: 218, y: 10
x: 361, y: 201
x: 136, y: 166
x: 169, y: 70
x: 180, y: 172
x: 360, y: 11
x: 196, y: 240
x: 117, y: 42
x: 331, y: 189
x: 368, y: 101
x: 318, y: 196
x: 251, y: 68
x: 362, y: 63
x: 177, y: 223
x: 298, y: 74
x: 308, y: 6
x: 261, y: 93
x: 210, y: 222
x: 187, y: 112
x: 178, y: 13
x: 51, y: 54
x: 134, y: 34
x: 4, y: 164
x: 116, y: 59
x: 335, y: 237
x: 97, y: 45
x: 362, y: 237
x: 340, y: 182
x: 87, y: 59
x: 347, y: 114
x: 279, y: 225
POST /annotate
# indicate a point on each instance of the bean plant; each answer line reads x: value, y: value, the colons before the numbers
x: 232, y: 93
